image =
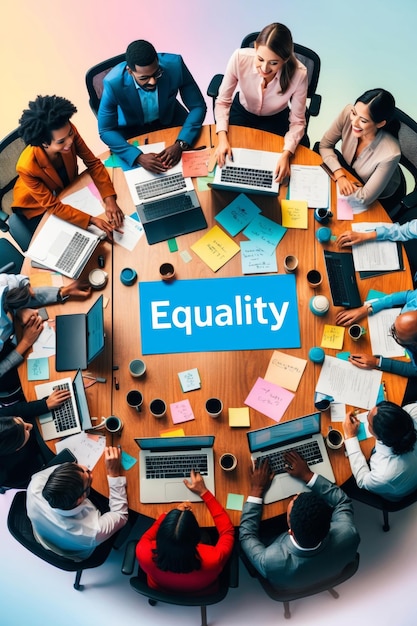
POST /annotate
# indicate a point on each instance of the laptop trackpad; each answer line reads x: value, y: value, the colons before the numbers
x: 178, y: 492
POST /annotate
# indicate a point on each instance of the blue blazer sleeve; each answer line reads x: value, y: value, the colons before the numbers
x: 120, y: 105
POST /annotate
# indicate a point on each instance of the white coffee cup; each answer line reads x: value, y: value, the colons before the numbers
x: 334, y: 439
x: 228, y: 462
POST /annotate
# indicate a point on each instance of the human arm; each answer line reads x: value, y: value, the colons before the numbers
x: 193, y: 100
x: 297, y: 115
x: 353, y: 238
x: 51, y: 295
x: 116, y: 518
x: 397, y: 232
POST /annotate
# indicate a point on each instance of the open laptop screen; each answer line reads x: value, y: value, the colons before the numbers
x: 95, y: 329
x: 284, y: 432
x: 165, y: 444
x: 81, y: 399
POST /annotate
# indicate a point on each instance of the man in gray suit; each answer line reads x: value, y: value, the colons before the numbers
x: 321, y: 537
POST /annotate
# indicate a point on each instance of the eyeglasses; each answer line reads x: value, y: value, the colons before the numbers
x: 401, y: 342
x: 156, y: 75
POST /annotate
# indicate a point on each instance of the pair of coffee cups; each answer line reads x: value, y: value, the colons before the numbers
x: 157, y: 406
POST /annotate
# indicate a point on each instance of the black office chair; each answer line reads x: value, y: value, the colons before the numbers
x: 20, y: 527
x: 11, y: 260
x: 94, y: 79
x: 308, y: 57
x: 286, y: 596
x: 228, y: 578
x: 10, y: 149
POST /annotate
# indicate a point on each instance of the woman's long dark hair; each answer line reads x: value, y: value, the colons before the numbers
x: 176, y: 543
x: 394, y: 427
x: 278, y: 38
x: 381, y: 104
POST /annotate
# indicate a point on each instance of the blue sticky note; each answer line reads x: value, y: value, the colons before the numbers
x: 373, y: 294
x: 234, y: 502
x: 237, y: 214
x: 127, y: 461
x: 256, y: 260
x: 361, y: 432
x: 38, y: 368
x: 343, y: 355
x: 380, y: 397
x: 266, y: 232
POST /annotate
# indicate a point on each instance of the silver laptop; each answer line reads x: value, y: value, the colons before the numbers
x: 71, y: 417
x: 301, y: 434
x: 251, y: 171
x: 167, y: 204
x: 64, y: 247
x: 164, y: 462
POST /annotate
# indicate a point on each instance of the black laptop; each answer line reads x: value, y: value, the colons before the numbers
x: 79, y: 338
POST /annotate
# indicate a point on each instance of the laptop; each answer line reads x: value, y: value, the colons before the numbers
x: 64, y: 247
x: 164, y: 462
x: 302, y: 434
x: 167, y: 204
x: 79, y: 338
x: 251, y: 171
x: 342, y: 279
x: 71, y: 417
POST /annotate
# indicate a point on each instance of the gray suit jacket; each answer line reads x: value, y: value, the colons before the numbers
x: 286, y: 566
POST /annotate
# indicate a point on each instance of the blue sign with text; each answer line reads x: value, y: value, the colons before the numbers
x: 206, y: 315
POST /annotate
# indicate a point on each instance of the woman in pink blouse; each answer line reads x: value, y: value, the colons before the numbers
x: 268, y: 77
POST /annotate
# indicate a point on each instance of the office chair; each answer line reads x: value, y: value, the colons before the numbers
x: 20, y: 527
x: 286, y: 596
x: 308, y: 57
x: 94, y: 79
x: 10, y: 149
x: 228, y: 578
x: 11, y: 260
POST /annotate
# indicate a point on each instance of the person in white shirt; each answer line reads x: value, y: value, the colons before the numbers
x: 392, y: 469
x: 64, y: 519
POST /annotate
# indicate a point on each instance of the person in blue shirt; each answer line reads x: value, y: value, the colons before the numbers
x: 384, y: 232
x: 140, y: 96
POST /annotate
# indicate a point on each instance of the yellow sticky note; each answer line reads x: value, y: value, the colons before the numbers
x: 333, y: 337
x: 294, y: 213
x: 215, y: 248
x: 239, y: 416
x: 172, y: 432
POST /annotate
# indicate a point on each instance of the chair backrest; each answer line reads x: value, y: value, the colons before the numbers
x: 407, y: 137
x: 94, y: 79
x: 11, y: 260
x: 307, y: 57
x: 10, y: 150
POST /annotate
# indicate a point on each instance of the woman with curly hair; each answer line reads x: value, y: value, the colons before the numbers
x: 48, y: 165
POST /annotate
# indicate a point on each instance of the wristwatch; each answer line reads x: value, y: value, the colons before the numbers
x: 183, y: 144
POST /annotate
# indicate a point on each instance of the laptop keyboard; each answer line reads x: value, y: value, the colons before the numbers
x: 246, y: 176
x: 167, y: 206
x: 178, y: 466
x: 64, y: 416
x: 159, y: 186
x: 310, y: 451
x: 72, y: 252
x: 342, y: 280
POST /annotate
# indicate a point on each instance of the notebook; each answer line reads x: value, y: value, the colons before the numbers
x: 342, y: 279
x: 251, y: 171
x: 79, y: 338
x: 167, y: 204
x: 302, y: 434
x: 72, y: 416
x: 64, y: 247
x: 164, y: 462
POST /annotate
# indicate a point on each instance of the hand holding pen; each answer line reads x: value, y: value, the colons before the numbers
x: 351, y: 425
x: 364, y: 361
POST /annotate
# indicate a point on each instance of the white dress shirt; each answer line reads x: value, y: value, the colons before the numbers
x: 75, y: 533
x: 390, y: 475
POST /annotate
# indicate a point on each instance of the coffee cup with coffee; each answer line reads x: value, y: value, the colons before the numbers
x: 356, y: 331
x: 228, y: 462
x: 158, y: 408
x: 114, y: 425
x: 314, y: 278
x: 334, y: 439
x: 134, y: 398
x: 214, y: 407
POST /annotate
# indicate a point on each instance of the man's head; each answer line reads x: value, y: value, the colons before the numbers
x: 67, y: 486
x: 308, y: 518
x: 404, y: 329
x: 142, y: 64
x: 393, y: 426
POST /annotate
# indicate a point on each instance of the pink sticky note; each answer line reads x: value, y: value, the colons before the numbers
x: 181, y: 412
x: 344, y: 210
x: 269, y: 399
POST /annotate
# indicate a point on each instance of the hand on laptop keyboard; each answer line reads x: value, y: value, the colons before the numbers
x: 261, y: 478
x: 296, y: 466
x: 57, y: 397
x: 197, y: 484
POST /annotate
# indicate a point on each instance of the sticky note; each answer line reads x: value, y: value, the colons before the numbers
x: 239, y: 416
x: 234, y: 501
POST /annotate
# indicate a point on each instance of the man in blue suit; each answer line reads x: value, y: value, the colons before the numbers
x: 140, y: 96
x: 320, y: 538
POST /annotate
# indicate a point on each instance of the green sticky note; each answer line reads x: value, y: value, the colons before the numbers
x: 234, y: 502
x: 343, y: 355
x: 172, y: 245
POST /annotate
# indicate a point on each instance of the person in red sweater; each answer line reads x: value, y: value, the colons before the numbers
x: 171, y: 552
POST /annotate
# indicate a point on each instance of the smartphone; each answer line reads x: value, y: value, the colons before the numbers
x: 43, y: 313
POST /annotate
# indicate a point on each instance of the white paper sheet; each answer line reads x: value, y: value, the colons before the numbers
x: 374, y: 255
x: 379, y: 331
x: 310, y: 183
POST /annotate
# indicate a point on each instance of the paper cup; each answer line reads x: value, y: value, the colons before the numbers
x: 228, y: 462
x: 214, y: 407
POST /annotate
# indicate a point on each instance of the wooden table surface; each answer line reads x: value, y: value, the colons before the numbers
x: 228, y: 375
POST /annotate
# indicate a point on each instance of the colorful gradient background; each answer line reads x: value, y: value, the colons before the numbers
x: 46, y: 47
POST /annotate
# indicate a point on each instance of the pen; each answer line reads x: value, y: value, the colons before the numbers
x: 355, y: 358
x: 200, y: 148
x: 116, y: 383
x: 384, y: 390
